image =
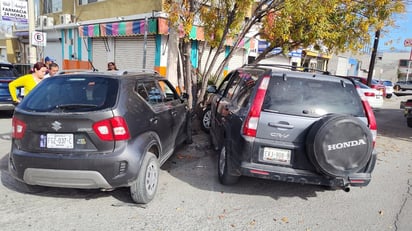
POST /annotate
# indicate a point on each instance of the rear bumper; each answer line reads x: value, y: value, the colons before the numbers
x: 303, y: 177
x: 287, y: 174
x: 6, y: 106
x: 87, y: 171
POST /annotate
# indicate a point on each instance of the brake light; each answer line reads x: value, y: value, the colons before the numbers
x: 369, y: 94
x: 19, y: 127
x: 371, y: 119
x: 252, y: 119
x: 112, y: 129
x: 408, y: 104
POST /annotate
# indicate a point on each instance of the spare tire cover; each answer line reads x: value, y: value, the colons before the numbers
x: 339, y: 145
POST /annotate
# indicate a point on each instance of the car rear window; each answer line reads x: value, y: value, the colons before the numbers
x: 312, y: 97
x: 7, y: 71
x: 72, y: 94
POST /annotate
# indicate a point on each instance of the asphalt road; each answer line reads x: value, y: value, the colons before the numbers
x: 190, y: 197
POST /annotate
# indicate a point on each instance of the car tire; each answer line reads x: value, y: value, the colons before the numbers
x: 397, y: 87
x: 205, y: 120
x: 339, y: 145
x: 389, y: 96
x: 144, y: 188
x: 223, y: 168
x: 409, y: 122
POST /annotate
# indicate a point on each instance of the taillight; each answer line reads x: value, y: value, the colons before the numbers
x: 252, y: 119
x: 371, y: 119
x: 112, y: 129
x: 408, y: 104
x: 19, y: 127
x: 369, y: 94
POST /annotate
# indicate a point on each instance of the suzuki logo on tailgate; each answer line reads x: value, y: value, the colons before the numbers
x: 56, y: 125
x: 347, y: 144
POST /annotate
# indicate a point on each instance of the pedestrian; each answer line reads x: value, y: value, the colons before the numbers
x: 28, y: 82
x: 48, y: 60
x: 111, y: 66
x: 53, y: 69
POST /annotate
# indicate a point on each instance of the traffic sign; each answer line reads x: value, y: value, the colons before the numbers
x: 39, y: 38
x: 408, y: 42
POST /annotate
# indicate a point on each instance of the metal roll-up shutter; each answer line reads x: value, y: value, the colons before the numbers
x: 342, y: 67
x: 99, y: 54
x: 237, y: 60
x: 129, y: 52
x: 205, y: 55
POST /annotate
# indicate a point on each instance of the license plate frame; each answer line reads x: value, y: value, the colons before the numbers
x: 276, y: 155
x: 60, y: 141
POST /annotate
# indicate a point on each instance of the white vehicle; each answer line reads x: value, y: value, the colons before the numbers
x: 374, y: 97
x: 389, y: 87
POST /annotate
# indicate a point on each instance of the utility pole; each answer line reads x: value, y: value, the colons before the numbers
x: 373, y: 56
x: 32, y: 24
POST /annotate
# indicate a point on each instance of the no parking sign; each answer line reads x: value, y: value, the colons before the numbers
x: 408, y: 42
x: 38, y: 38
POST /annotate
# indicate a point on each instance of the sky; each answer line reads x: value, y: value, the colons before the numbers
x: 392, y: 38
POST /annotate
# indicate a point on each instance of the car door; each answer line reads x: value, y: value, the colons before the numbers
x: 161, y: 120
x: 178, y: 110
x: 219, y: 101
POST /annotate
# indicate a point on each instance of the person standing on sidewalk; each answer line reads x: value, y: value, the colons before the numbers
x: 53, y: 69
x: 28, y: 82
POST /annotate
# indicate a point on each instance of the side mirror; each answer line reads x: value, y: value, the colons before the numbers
x: 184, y: 95
x: 211, y: 89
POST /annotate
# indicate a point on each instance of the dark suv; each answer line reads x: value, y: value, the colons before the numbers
x: 292, y: 126
x: 7, y: 74
x: 91, y: 130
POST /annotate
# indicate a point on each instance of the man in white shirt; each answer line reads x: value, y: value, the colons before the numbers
x: 53, y: 69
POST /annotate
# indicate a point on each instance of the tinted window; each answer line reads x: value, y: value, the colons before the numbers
x: 310, y: 97
x: 7, y: 71
x: 72, y: 94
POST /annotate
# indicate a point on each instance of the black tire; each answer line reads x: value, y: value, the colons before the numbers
x: 144, y: 188
x: 409, y: 122
x: 339, y: 145
x: 397, y: 88
x: 205, y: 120
x: 223, y: 169
x: 389, y: 96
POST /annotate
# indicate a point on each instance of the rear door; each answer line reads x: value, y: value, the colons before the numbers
x: 161, y: 118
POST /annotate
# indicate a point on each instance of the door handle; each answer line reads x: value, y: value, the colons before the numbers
x: 153, y: 120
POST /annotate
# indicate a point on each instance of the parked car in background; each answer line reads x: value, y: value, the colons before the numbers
x: 407, y: 107
x: 403, y: 85
x: 374, y: 97
x: 292, y: 126
x: 98, y: 130
x: 7, y: 74
x: 374, y: 84
x: 389, y: 87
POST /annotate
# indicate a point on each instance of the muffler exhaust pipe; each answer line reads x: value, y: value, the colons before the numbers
x: 346, y: 189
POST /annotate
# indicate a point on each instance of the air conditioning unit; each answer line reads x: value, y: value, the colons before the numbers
x: 65, y: 19
x: 41, y: 20
x: 50, y: 21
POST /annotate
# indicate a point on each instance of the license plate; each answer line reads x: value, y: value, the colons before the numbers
x: 64, y: 141
x: 276, y: 155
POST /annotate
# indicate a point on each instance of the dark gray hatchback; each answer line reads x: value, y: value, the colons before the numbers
x: 292, y: 126
x: 91, y: 130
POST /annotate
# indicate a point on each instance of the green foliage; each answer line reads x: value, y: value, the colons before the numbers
x: 336, y: 24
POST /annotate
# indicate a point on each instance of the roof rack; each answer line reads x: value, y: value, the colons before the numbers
x: 135, y: 70
x: 288, y: 67
x: 71, y: 71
